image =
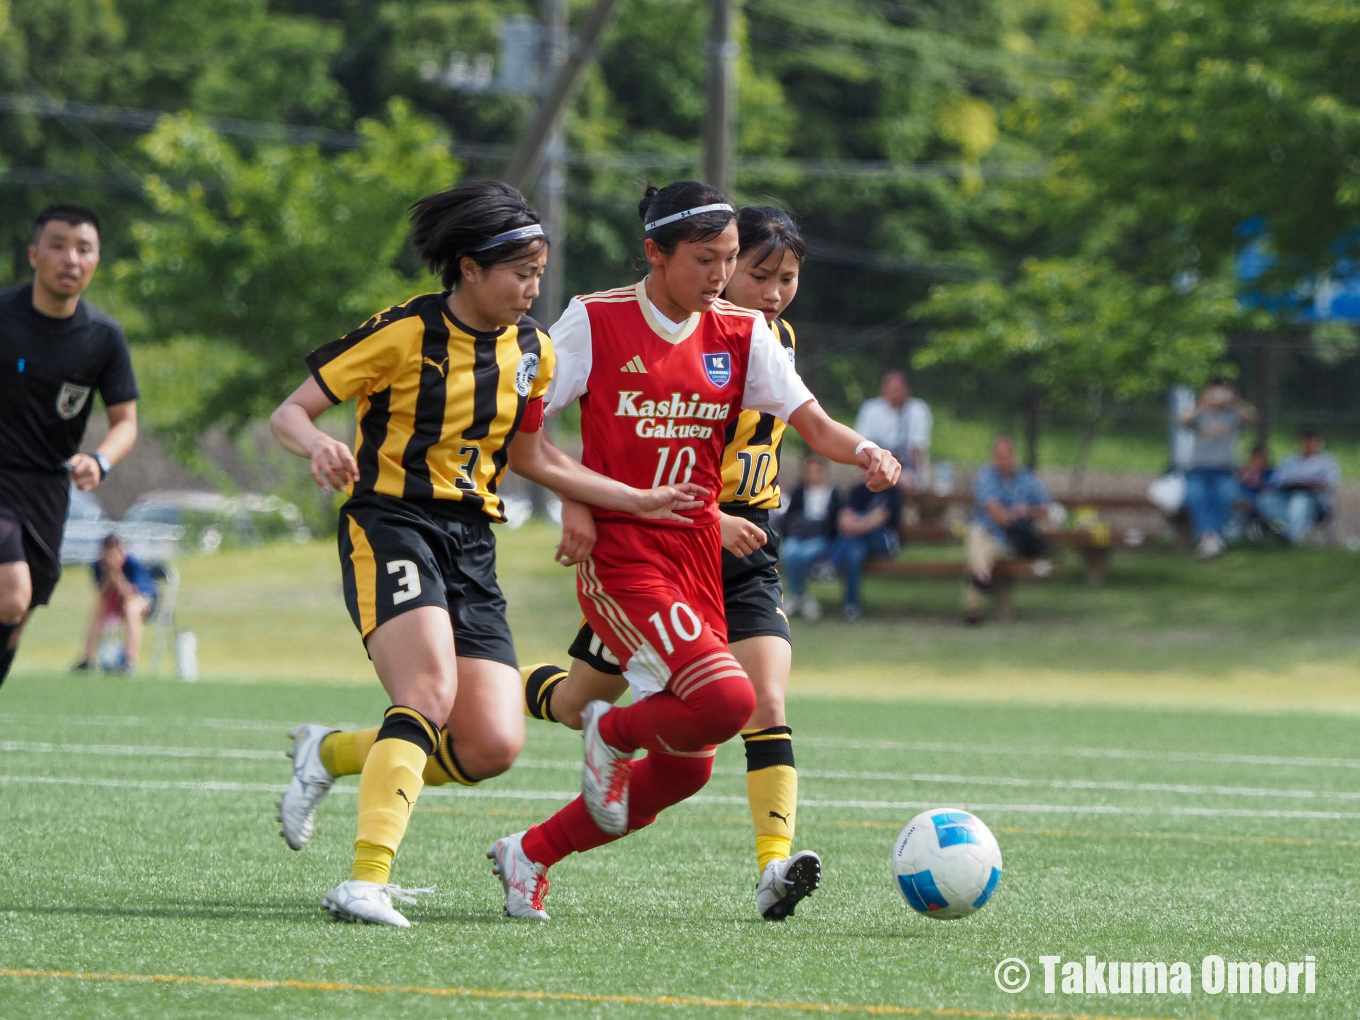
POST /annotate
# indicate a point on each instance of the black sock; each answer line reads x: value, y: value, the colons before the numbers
x: 6, y: 652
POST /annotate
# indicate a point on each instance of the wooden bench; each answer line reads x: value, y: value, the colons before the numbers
x: 1093, y: 544
x: 1005, y: 575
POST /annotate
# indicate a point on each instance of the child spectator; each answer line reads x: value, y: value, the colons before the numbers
x: 124, y: 592
x: 809, y: 530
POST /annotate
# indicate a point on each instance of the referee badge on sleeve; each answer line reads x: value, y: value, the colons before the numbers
x: 70, y: 399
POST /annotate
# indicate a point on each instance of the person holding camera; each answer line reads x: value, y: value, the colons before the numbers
x: 1217, y: 420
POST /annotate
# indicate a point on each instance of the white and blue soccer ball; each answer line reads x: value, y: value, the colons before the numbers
x: 946, y: 863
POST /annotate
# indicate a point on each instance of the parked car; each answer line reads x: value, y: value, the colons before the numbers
x: 202, y: 522
x: 86, y: 526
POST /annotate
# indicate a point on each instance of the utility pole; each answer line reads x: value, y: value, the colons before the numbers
x: 719, y: 122
x: 552, y: 182
x: 527, y: 159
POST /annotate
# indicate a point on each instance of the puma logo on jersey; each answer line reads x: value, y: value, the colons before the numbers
x: 442, y: 367
x: 635, y: 365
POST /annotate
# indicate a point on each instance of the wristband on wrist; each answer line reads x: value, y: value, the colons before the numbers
x: 103, y: 462
x: 867, y: 444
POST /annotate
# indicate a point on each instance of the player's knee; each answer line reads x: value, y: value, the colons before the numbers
x: 14, y: 606
x: 732, y: 701
x: 493, y: 756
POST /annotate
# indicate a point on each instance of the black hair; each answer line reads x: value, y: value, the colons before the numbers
x: 1309, y: 432
x: 449, y: 226
x: 66, y: 212
x: 111, y: 540
x: 678, y: 197
x: 765, y: 230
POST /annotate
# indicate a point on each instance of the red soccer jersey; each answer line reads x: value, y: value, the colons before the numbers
x: 656, y: 396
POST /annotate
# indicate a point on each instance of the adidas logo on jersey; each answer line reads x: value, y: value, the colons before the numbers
x: 635, y: 365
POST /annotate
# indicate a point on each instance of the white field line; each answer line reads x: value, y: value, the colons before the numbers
x: 564, y: 796
x: 974, y: 750
x: 1116, y: 754
x: 562, y: 765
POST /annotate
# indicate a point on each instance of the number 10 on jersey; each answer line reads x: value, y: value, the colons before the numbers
x: 681, y: 468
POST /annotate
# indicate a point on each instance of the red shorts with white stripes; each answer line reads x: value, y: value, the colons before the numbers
x: 655, y: 596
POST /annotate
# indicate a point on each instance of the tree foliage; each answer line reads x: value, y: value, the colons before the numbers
x: 275, y: 252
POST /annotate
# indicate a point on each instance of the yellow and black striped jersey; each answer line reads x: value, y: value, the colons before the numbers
x: 438, y: 401
x: 750, y: 465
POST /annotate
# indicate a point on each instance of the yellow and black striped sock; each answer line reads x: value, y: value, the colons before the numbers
x: 772, y: 789
x: 388, y: 788
x: 539, y: 683
x: 344, y: 752
x: 443, y: 766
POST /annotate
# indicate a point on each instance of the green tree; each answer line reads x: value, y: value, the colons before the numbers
x: 1077, y: 333
x: 272, y: 253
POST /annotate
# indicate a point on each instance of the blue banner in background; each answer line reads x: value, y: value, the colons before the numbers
x: 1335, y: 298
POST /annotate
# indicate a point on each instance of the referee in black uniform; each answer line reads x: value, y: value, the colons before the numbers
x: 55, y: 351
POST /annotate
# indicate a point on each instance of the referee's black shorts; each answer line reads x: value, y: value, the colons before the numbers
x: 752, y: 597
x: 28, y: 536
x: 397, y: 555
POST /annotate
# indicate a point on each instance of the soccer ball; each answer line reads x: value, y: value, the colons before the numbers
x: 946, y: 863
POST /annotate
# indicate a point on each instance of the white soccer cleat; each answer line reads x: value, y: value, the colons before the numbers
x: 308, y: 787
x: 525, y: 881
x: 369, y: 902
x: 784, y: 883
x: 604, y: 779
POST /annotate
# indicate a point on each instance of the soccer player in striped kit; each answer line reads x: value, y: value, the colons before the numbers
x: 766, y: 279
x: 449, y: 390
x: 661, y: 370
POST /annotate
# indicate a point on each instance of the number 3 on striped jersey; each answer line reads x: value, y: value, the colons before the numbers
x: 686, y: 630
x: 409, y: 582
x: 684, y: 459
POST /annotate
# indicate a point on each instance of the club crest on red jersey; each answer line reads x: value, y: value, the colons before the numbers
x: 718, y: 368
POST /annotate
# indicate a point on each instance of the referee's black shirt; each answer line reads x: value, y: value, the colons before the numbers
x: 49, y: 369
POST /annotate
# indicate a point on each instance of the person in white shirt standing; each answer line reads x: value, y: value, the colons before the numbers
x: 899, y: 422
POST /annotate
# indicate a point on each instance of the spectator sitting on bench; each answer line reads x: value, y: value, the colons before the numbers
x: 124, y: 592
x: 867, y: 527
x: 809, y: 529
x: 1302, y: 490
x: 1008, y: 499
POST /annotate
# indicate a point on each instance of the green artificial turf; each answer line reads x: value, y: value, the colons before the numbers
x: 143, y: 875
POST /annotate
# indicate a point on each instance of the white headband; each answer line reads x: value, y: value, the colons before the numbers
x: 647, y: 228
x: 506, y: 236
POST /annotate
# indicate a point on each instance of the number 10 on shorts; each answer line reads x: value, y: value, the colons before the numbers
x: 685, y: 625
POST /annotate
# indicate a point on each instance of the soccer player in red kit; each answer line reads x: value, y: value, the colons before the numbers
x: 660, y: 369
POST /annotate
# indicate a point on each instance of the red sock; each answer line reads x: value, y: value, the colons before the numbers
x: 658, y: 781
x: 708, y: 701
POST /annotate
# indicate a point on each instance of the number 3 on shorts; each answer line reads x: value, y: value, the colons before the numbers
x: 687, y: 628
x: 409, y: 580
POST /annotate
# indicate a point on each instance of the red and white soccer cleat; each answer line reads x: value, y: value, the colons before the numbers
x: 604, y: 779
x: 525, y: 881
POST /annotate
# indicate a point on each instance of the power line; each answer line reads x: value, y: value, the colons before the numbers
x: 141, y: 119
